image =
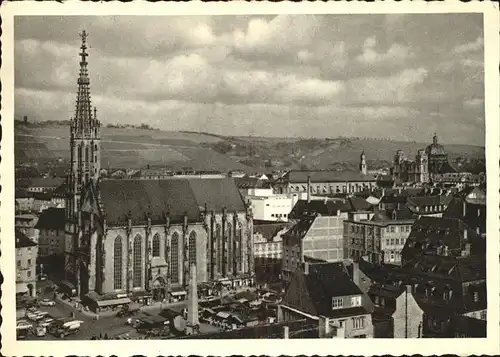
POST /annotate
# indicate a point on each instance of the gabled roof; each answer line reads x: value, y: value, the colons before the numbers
x: 327, y: 176
x: 52, y: 218
x: 174, y: 197
x: 299, y: 229
x: 269, y: 230
x: 46, y: 182
x: 423, y: 201
x: 22, y: 241
x: 323, y: 282
x: 428, y: 233
x: 315, y: 207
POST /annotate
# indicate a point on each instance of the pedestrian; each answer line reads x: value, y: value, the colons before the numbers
x: 106, y: 336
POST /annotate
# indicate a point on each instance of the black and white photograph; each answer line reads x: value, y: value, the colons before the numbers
x: 250, y: 176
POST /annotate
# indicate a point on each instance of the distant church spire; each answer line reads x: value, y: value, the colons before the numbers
x: 435, y: 138
x: 362, y: 163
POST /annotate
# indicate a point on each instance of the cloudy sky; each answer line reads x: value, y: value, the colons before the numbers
x: 397, y: 76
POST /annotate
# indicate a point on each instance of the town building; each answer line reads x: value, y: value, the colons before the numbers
x: 26, y: 254
x: 406, y: 170
x: 429, y: 162
x: 447, y: 261
x: 268, y: 248
x: 41, y: 184
x: 51, y: 232
x: 430, y: 206
x: 317, y: 233
x: 326, y: 182
x: 376, y: 236
x: 26, y: 224
x: 325, y: 292
x: 141, y: 236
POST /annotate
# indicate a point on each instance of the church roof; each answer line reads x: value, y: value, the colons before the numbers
x: 327, y: 176
x: 174, y: 197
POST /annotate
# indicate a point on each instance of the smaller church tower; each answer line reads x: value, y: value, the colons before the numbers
x: 362, y: 164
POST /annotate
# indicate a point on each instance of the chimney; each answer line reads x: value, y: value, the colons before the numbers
x: 306, y: 268
x: 464, y: 208
x: 308, y: 189
x: 286, y: 333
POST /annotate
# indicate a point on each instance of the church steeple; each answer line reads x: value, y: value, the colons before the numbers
x: 85, y: 137
x: 362, y: 163
x: 435, y: 138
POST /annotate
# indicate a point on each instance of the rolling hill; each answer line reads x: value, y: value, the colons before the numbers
x: 136, y: 148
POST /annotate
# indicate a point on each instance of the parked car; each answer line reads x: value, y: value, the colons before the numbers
x: 47, y: 302
x: 23, y: 325
x: 39, y: 331
x: 45, y: 322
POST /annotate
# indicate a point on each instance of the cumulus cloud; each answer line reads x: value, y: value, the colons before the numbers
x: 323, y: 75
x: 470, y: 47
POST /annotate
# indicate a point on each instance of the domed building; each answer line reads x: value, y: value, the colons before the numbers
x: 438, y: 158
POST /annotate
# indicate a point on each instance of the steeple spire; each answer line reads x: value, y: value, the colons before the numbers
x: 435, y: 139
x: 83, y: 113
x: 85, y: 135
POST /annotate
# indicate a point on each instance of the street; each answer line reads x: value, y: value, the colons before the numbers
x: 110, y: 325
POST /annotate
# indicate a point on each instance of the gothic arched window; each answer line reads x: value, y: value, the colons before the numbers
x: 174, y: 267
x: 156, y: 245
x: 86, y: 154
x: 117, y: 266
x: 229, y: 243
x: 192, y: 248
x: 218, y: 241
x: 137, y: 280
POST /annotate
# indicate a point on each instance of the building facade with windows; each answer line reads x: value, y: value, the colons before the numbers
x: 325, y: 292
x: 380, y: 239
x: 51, y: 232
x: 26, y: 254
x: 318, y: 234
x: 141, y: 236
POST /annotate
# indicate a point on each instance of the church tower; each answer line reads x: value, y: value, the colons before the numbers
x: 85, y: 153
x: 362, y: 163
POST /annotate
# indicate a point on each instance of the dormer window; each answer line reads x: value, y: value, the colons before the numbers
x: 337, y: 303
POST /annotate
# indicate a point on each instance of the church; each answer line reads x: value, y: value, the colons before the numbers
x: 134, y: 236
x: 429, y: 162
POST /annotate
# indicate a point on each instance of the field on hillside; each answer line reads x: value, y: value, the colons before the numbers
x: 130, y: 147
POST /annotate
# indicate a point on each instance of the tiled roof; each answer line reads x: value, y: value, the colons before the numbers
x: 46, y: 182
x: 456, y: 210
x: 269, y: 230
x: 423, y: 201
x: 22, y: 241
x: 299, y: 229
x: 327, y: 176
x: 217, y: 194
x: 359, y: 204
x: 51, y: 218
x: 469, y: 326
x: 314, y: 207
x: 436, y: 273
x: 428, y: 233
x: 325, y: 281
x: 159, y: 197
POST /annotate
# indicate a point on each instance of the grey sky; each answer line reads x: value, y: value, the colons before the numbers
x: 397, y: 76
